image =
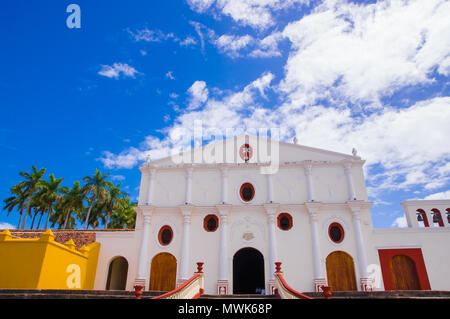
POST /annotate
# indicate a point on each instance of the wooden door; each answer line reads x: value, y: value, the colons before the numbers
x: 163, y: 272
x: 404, y: 273
x: 341, y: 272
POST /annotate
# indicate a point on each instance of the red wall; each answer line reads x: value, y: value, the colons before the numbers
x: 415, y: 254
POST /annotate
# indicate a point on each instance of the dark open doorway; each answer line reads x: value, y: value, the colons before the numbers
x: 117, y: 274
x: 248, y: 271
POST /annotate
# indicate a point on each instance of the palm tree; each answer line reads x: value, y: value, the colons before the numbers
x: 96, y: 186
x: 18, y: 200
x: 30, y: 186
x: 114, y: 195
x: 72, y: 201
x: 124, y: 216
x: 50, y: 195
x: 35, y: 206
x: 59, y: 212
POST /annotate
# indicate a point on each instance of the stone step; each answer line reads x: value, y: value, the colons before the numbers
x: 73, y: 294
x: 244, y: 296
x: 394, y: 294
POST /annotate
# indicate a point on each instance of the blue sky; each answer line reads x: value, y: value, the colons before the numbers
x: 373, y: 75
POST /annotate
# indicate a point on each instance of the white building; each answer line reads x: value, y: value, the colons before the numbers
x: 219, y: 206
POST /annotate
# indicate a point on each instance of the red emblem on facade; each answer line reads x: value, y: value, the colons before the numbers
x: 246, y: 152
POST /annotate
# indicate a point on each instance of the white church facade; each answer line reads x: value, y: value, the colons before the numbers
x: 241, y: 214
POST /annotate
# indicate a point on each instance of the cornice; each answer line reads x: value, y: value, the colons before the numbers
x: 414, y: 202
x: 323, y: 206
x: 307, y: 163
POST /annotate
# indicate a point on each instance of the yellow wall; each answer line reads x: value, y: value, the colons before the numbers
x: 45, y: 264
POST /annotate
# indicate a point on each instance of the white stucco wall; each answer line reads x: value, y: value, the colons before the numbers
x: 290, y: 192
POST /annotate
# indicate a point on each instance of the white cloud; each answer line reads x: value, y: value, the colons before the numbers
x: 219, y: 114
x: 149, y: 35
x: 170, y: 75
x: 360, y: 53
x: 400, y: 222
x: 6, y: 226
x: 404, y: 144
x: 232, y: 44
x: 188, y: 41
x: 117, y: 177
x: 254, y: 13
x: 268, y: 46
x: 117, y: 69
x: 440, y: 195
x: 198, y: 94
x: 342, y: 52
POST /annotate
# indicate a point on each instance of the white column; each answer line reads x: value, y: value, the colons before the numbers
x: 362, y: 260
x: 430, y: 215
x: 224, y: 173
x: 308, y: 173
x: 271, y: 218
x: 189, y: 185
x: 144, y: 178
x: 143, y: 254
x: 223, y: 282
x: 444, y: 218
x: 270, y: 188
x: 319, y: 278
x: 151, y: 182
x: 348, y: 175
x: 184, y: 262
x: 315, y: 246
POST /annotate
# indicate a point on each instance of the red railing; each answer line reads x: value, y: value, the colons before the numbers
x: 283, y: 285
x: 198, y: 277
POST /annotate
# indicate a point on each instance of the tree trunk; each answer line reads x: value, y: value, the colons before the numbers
x: 28, y: 211
x: 108, y: 216
x: 88, y: 214
x: 48, y: 217
x: 39, y: 222
x: 34, y: 216
x: 67, y: 217
x: 20, y: 219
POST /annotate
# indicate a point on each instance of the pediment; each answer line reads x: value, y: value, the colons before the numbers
x: 253, y: 150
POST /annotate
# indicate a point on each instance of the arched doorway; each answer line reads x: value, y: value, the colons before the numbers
x: 117, y: 274
x: 341, y: 271
x: 248, y: 271
x: 404, y: 273
x: 163, y: 272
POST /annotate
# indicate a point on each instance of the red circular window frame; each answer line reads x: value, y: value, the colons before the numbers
x: 242, y: 189
x: 280, y: 216
x: 340, y: 228
x: 205, y: 222
x: 160, y: 234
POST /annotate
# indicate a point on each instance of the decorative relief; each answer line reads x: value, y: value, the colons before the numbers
x: 247, y: 229
x: 248, y: 236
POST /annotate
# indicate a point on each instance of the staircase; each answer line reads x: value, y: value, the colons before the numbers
x: 73, y: 294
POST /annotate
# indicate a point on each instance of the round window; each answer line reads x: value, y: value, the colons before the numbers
x: 247, y: 192
x: 284, y: 221
x: 165, y: 235
x: 211, y: 223
x: 336, y: 232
